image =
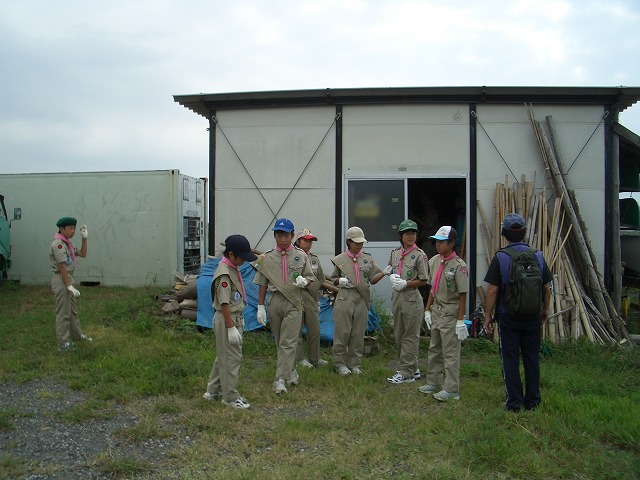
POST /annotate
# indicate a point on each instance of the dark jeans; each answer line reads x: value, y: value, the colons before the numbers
x: 520, y: 337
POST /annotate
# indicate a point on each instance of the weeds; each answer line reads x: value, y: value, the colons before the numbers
x: 588, y: 425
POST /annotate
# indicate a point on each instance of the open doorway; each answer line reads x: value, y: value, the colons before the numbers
x: 433, y: 202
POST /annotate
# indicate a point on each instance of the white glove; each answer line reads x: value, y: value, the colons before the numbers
x: 262, y: 315
x: 427, y: 319
x: 301, y: 281
x: 398, y: 284
x: 461, y: 329
x: 343, y: 281
x: 83, y: 231
x: 72, y: 289
x: 388, y: 270
x: 234, y: 336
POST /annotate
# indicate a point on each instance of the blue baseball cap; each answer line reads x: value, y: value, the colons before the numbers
x: 239, y: 245
x: 514, y: 222
x: 283, y: 225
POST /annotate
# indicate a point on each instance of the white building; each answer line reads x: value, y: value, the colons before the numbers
x: 329, y: 159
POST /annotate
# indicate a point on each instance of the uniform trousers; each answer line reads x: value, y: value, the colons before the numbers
x: 350, y: 316
x: 67, y: 321
x: 443, y: 359
x: 520, y: 337
x: 225, y: 373
x: 285, y: 320
x: 310, y: 320
x: 408, y: 311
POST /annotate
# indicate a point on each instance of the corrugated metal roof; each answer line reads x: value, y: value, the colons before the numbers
x: 206, y: 103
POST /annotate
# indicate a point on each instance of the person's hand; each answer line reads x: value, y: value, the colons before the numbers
x: 84, y: 232
x: 74, y: 291
x: 262, y: 315
x: 301, y: 281
x: 234, y: 336
x: 343, y: 281
x: 461, y: 329
x: 488, y: 325
x: 388, y: 270
x: 427, y: 319
x: 398, y: 283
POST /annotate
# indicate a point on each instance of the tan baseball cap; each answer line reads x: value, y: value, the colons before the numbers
x: 356, y: 234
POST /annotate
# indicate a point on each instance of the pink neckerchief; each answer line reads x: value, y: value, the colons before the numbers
x: 226, y: 261
x: 355, y: 263
x: 59, y: 236
x: 404, y: 253
x: 438, y: 276
x: 283, y: 254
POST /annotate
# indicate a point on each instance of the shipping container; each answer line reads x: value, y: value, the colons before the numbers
x: 143, y: 225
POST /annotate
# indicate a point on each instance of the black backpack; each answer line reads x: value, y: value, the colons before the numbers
x: 523, y: 290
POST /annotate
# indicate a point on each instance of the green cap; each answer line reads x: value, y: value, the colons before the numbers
x: 408, y: 225
x: 66, y: 221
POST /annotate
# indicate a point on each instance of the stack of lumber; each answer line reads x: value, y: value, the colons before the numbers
x: 185, y: 297
x: 580, y: 304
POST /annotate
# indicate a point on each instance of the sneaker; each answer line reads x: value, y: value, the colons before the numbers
x: 295, y: 378
x: 84, y: 338
x: 427, y: 388
x: 342, y: 370
x: 398, y: 378
x: 278, y: 386
x: 212, y: 396
x: 417, y: 375
x: 356, y: 371
x: 305, y: 363
x: 444, y: 396
x: 322, y: 363
x: 66, y: 347
x: 239, y: 403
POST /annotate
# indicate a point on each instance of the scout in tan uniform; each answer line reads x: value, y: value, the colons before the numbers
x: 444, y: 315
x: 229, y: 299
x: 304, y: 239
x: 408, y: 272
x: 283, y: 272
x: 354, y: 271
x: 63, y: 259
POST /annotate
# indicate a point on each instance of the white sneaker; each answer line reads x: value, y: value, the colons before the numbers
x: 305, y: 363
x: 398, y: 378
x: 444, y: 396
x: 239, y: 403
x: 427, y: 388
x: 342, y: 370
x: 295, y: 378
x: 417, y: 374
x: 212, y: 396
x: 67, y: 346
x: 279, y: 387
x: 322, y: 363
x: 85, y: 338
x: 356, y: 371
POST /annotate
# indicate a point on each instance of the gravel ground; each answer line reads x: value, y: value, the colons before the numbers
x: 48, y: 447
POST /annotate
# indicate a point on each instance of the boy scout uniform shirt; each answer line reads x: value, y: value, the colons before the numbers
x: 227, y: 289
x: 454, y: 281
x: 60, y: 253
x: 414, y: 264
x: 269, y: 273
x: 312, y: 293
x: 345, y: 266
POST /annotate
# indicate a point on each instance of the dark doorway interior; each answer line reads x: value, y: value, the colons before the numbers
x: 434, y: 202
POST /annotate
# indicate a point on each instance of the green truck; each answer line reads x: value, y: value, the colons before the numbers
x: 5, y: 238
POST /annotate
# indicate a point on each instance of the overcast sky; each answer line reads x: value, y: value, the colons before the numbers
x: 88, y: 85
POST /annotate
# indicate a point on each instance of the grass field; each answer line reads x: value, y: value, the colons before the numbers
x: 588, y: 425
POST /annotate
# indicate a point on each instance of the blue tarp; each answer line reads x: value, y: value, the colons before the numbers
x: 205, y: 309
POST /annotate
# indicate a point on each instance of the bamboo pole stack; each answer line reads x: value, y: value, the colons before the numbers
x: 580, y: 305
